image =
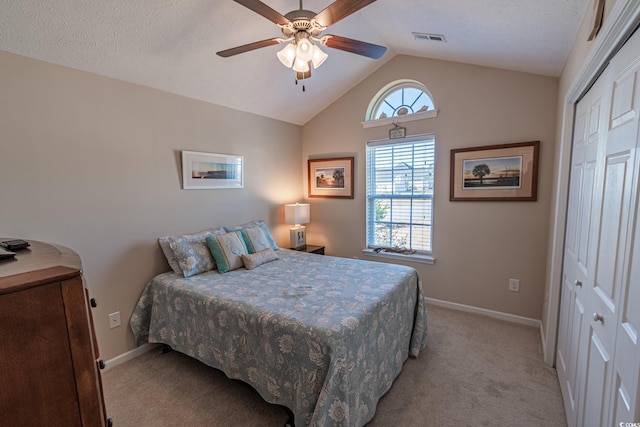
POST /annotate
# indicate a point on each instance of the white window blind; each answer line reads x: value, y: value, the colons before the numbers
x: 400, y: 193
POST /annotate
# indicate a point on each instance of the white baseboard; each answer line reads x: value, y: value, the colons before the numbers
x: 495, y: 314
x: 544, y: 343
x: 132, y: 354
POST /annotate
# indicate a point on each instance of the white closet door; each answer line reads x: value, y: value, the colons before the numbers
x: 589, y: 135
x: 617, y: 287
x: 598, y: 349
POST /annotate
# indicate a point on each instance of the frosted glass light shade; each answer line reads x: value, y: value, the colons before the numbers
x: 299, y: 213
x: 287, y: 55
x: 318, y: 57
x: 304, y: 50
x: 300, y: 66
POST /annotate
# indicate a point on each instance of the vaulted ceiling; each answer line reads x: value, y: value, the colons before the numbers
x: 171, y: 44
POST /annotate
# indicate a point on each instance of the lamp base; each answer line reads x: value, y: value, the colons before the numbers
x: 298, y: 237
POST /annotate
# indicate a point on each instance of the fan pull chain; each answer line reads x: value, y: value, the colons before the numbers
x: 303, y: 87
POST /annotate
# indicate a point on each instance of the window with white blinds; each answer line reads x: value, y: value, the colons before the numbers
x: 400, y: 193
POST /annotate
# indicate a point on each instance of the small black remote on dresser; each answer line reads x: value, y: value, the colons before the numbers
x: 14, y: 245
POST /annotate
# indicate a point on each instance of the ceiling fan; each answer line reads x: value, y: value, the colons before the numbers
x: 301, y: 27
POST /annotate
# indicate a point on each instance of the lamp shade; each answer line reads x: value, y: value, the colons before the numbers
x: 298, y: 213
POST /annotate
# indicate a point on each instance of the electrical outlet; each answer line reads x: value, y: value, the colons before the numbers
x: 114, y: 320
x: 514, y: 285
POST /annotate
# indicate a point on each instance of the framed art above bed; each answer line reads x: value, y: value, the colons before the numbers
x: 201, y: 171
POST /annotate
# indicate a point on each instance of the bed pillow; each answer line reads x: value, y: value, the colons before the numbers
x: 172, y: 258
x: 227, y: 249
x: 165, y: 245
x: 254, y: 260
x: 255, y: 239
x: 257, y: 223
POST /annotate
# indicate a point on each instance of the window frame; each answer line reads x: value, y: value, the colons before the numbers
x: 423, y: 256
x: 385, y: 92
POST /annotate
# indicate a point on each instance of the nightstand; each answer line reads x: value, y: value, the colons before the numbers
x: 312, y: 249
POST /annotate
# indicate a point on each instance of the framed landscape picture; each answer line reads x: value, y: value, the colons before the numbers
x: 331, y: 178
x: 507, y: 172
x: 201, y: 171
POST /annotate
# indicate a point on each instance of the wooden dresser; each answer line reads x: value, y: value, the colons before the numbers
x: 49, y: 369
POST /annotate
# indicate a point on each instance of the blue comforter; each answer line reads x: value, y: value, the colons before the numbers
x: 323, y: 336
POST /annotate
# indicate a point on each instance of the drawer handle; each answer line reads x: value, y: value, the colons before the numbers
x: 598, y: 318
x: 578, y: 283
x: 93, y: 302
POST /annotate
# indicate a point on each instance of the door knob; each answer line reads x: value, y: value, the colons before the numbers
x: 598, y: 317
x: 578, y: 283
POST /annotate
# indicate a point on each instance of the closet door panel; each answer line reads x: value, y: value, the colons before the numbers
x: 598, y: 367
x: 626, y: 401
x: 577, y: 270
x: 624, y: 124
x: 611, y: 230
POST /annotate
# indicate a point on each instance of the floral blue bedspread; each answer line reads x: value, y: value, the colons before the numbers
x: 323, y: 336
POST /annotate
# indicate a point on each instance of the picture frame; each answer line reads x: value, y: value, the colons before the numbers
x: 397, y: 132
x: 203, y: 171
x: 507, y: 172
x: 597, y: 15
x: 331, y: 178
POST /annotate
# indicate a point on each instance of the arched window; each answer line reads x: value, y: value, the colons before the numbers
x: 400, y: 98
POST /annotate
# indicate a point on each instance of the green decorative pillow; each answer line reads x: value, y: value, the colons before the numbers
x: 254, y: 260
x: 258, y: 223
x: 227, y: 249
x: 255, y: 239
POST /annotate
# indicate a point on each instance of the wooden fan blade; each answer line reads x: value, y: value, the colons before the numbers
x: 370, y: 50
x: 340, y: 9
x: 262, y: 9
x: 248, y: 47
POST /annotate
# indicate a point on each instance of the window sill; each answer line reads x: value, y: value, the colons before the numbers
x: 421, y: 258
x: 400, y: 119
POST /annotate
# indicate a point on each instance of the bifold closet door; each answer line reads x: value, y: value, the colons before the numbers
x: 598, y: 350
x: 616, y: 291
x: 589, y: 136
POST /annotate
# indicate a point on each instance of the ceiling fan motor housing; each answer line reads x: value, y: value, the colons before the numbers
x: 302, y: 20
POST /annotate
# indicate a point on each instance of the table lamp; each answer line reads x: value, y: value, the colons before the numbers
x: 297, y: 214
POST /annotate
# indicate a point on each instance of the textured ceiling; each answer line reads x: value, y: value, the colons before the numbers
x: 171, y: 44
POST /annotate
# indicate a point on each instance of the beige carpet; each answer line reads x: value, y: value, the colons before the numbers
x: 476, y: 371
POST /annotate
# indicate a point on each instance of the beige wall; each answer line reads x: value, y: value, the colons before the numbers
x: 478, y: 246
x: 94, y: 164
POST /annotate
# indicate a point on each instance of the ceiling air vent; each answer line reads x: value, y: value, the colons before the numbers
x: 427, y: 36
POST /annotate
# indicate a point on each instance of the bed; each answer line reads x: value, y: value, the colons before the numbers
x: 323, y: 336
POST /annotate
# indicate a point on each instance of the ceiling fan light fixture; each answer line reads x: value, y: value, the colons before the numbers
x: 287, y: 55
x: 318, y: 57
x: 300, y: 66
